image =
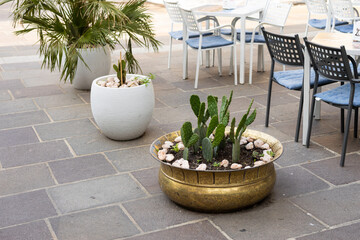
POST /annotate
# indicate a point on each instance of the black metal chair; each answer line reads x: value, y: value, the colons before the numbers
x: 287, y: 50
x: 333, y: 63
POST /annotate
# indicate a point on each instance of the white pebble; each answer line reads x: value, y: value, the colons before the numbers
x: 266, y: 158
x: 201, y: 167
x: 258, y: 163
x: 236, y: 166
x: 249, y: 146
x: 178, y: 139
x: 212, y: 136
x: 249, y: 139
x: 169, y: 143
x: 166, y: 146
x: 185, y: 164
x: 169, y: 157
x: 181, y: 146
x: 247, y: 167
x: 224, y: 163
x: 258, y: 143
x: 162, y: 154
x: 176, y: 163
x: 243, y: 141
x: 265, y: 146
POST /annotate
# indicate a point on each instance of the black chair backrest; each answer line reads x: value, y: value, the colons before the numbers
x: 332, y: 63
x: 284, y: 49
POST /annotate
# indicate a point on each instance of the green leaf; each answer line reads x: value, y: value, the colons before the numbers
x: 236, y: 150
x: 186, y: 153
x: 214, y: 122
x: 251, y: 118
x: 241, y: 126
x: 227, y: 104
x: 225, y: 119
x: 194, y: 138
x: 212, y: 106
x: 207, y: 149
x: 232, y: 130
x: 201, y: 113
x: 219, y: 135
x: 186, y: 133
x: 195, y: 104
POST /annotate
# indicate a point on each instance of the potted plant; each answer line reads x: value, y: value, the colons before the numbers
x: 122, y: 104
x: 216, y: 167
x: 76, y: 36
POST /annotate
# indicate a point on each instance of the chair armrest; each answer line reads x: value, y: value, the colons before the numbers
x: 206, y: 18
x: 219, y: 27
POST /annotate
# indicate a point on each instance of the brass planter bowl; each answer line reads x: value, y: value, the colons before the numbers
x: 217, y: 191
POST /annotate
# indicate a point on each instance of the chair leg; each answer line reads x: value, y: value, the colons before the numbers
x: 342, y: 113
x: 213, y: 63
x: 231, y: 61
x: 298, y: 122
x: 219, y: 61
x: 197, y: 68
x: 235, y: 65
x: 344, y: 145
x: 356, y: 118
x: 260, y: 66
x: 251, y: 62
x: 308, y: 135
x: 269, y: 94
x: 170, y: 49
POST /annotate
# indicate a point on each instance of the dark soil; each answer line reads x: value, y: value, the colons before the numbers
x: 247, y: 157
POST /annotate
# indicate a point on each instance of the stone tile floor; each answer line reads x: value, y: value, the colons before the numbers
x: 61, y: 179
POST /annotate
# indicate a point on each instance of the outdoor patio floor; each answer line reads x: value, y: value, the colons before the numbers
x: 61, y: 179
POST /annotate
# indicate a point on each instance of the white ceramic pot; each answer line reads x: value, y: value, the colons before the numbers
x: 99, y: 62
x: 122, y: 113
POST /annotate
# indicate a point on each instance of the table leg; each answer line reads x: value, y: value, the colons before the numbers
x: 185, y: 54
x: 242, y: 51
x: 306, y: 106
x: 317, y: 110
x: 207, y: 52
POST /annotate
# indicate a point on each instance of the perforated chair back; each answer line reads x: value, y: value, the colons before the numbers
x: 276, y: 13
x: 189, y: 20
x: 284, y: 49
x: 332, y: 63
x: 173, y: 11
x: 342, y: 9
x: 317, y: 6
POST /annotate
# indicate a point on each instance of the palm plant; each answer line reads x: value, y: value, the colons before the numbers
x: 63, y: 26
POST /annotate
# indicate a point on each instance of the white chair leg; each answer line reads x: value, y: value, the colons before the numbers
x: 260, y: 66
x: 231, y: 61
x: 219, y: 61
x: 235, y: 64
x: 213, y: 63
x: 170, y: 49
x: 197, y: 68
x: 251, y: 62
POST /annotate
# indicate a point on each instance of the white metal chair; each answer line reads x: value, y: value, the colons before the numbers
x: 343, y: 10
x: 319, y: 8
x: 176, y: 18
x: 204, y: 43
x: 275, y: 14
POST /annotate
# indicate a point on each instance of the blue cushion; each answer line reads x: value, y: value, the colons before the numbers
x: 257, y: 38
x: 227, y: 31
x: 292, y: 79
x: 209, y: 42
x: 340, y: 95
x: 321, y: 23
x: 178, y: 35
x: 348, y: 28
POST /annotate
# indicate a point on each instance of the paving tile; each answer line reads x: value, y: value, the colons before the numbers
x: 350, y: 232
x: 129, y: 160
x: 285, y: 112
x: 170, y: 115
x: 38, y: 91
x: 276, y: 98
x: 294, y: 181
x: 333, y: 206
x: 331, y: 171
x: 96, y: 192
x: 58, y: 100
x: 4, y: 95
x: 242, y: 104
x: 100, y: 143
x: 25, y: 207
x: 159, y: 212
x: 85, y: 96
x: 296, y: 153
x: 159, y: 104
x: 188, y: 85
x: 11, y: 84
x: 149, y: 179
x: 199, y: 231
x: 279, y: 220
x: 176, y: 97
x: 70, y: 112
x: 79, y: 168
x: 239, y: 91
x: 282, y: 137
x: 21, y: 66
x: 24, y: 179
x: 18, y: 105
x: 17, y: 136
x: 33, y: 153
x: 334, y: 142
x: 23, y: 119
x: 30, y: 231
x: 65, y: 129
x: 97, y: 224
x: 47, y: 79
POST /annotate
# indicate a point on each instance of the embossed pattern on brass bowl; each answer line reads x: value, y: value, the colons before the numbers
x: 217, y: 190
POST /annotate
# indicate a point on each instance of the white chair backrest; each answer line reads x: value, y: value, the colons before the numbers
x: 276, y: 13
x: 356, y: 2
x: 317, y: 6
x: 257, y: 2
x: 173, y: 11
x: 342, y: 9
x: 190, y: 20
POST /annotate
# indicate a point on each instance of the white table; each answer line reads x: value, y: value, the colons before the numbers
x: 327, y: 39
x: 218, y: 11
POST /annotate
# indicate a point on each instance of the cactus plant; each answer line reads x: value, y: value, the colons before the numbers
x: 188, y: 137
x: 235, y: 134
